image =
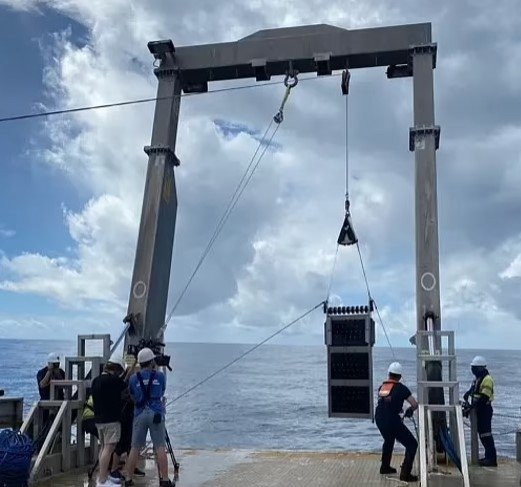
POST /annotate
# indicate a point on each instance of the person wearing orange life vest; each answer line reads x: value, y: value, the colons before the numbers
x: 391, y: 396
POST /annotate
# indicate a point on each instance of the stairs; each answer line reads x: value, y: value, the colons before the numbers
x: 431, y: 349
x: 56, y: 424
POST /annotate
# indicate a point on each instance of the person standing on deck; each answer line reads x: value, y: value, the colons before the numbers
x: 391, y: 396
x: 481, y: 394
x: 107, y: 389
x: 51, y: 372
x: 44, y: 376
x: 147, y: 387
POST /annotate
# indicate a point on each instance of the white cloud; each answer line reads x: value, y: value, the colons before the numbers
x: 513, y: 269
x: 98, y: 270
x: 274, y: 257
x: 6, y: 232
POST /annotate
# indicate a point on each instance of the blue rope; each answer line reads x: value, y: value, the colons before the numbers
x: 16, y: 451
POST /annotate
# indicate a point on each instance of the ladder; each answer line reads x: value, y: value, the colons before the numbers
x: 57, y: 423
x: 436, y: 346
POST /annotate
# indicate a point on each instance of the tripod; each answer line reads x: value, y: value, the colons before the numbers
x: 171, y: 452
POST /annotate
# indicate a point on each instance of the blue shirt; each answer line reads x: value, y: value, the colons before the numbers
x: 157, y: 391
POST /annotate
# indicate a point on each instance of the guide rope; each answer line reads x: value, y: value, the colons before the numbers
x: 371, y: 299
x: 247, y: 352
x: 239, y: 189
x: 138, y: 101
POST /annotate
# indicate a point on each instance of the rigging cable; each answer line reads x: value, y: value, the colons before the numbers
x: 369, y: 295
x: 347, y: 145
x: 331, y: 277
x: 143, y: 100
x: 247, y: 352
x: 239, y: 190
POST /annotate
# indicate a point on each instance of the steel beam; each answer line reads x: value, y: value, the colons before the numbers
x: 272, y: 52
x: 151, y: 276
x: 424, y: 142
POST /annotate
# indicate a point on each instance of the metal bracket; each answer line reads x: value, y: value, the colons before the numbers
x: 399, y: 71
x: 431, y: 48
x: 346, y: 76
x: 424, y: 130
x: 166, y: 72
x: 162, y: 149
x: 323, y: 62
x: 260, y: 67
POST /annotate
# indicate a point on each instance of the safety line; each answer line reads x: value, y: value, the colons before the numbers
x: 372, y: 299
x: 143, y: 100
x: 331, y: 277
x: 239, y: 190
x: 247, y: 352
x: 347, y: 146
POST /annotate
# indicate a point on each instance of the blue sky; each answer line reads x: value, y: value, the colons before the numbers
x: 72, y: 185
x: 32, y: 194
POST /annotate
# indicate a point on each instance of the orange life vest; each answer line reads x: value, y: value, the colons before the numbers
x: 387, y: 387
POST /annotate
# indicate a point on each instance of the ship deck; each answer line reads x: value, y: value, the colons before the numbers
x: 241, y: 468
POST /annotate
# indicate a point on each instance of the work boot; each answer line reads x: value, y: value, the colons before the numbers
x: 387, y: 470
x: 408, y: 477
x: 488, y: 462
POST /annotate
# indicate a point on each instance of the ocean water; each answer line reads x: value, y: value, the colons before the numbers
x: 275, y: 398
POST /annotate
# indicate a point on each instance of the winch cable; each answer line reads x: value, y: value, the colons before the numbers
x: 138, y: 101
x: 247, y: 352
x: 332, y: 275
x: 245, y: 180
x: 371, y: 299
x: 239, y: 189
x: 347, y: 233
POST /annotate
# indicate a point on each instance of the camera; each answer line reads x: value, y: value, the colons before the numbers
x: 161, y: 359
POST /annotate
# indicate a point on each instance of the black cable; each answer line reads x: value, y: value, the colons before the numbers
x: 139, y: 101
x: 240, y: 357
x: 372, y: 299
x: 239, y: 190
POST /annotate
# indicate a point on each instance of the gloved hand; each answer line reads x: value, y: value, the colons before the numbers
x: 409, y: 412
x: 466, y: 409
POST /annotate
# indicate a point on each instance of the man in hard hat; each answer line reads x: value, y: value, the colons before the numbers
x: 147, y: 388
x: 391, y: 396
x: 107, y: 391
x: 481, y: 395
x: 50, y: 372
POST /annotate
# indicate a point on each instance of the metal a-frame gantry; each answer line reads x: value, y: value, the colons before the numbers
x: 406, y: 51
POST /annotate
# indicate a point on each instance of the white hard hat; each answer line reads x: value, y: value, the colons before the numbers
x: 117, y: 361
x: 395, y: 368
x: 145, y: 355
x: 53, y: 358
x: 478, y: 361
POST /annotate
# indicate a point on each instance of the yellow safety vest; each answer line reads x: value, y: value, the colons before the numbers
x: 486, y: 388
x: 88, y: 410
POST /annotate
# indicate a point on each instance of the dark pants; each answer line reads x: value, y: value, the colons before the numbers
x: 392, y: 428
x: 484, y: 420
x: 89, y: 426
x: 125, y: 441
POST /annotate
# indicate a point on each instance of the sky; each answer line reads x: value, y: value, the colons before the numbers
x: 72, y: 185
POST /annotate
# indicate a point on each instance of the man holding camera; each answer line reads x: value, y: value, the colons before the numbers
x: 147, y: 388
x: 51, y: 372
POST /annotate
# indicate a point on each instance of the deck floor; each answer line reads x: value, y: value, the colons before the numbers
x: 238, y: 468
